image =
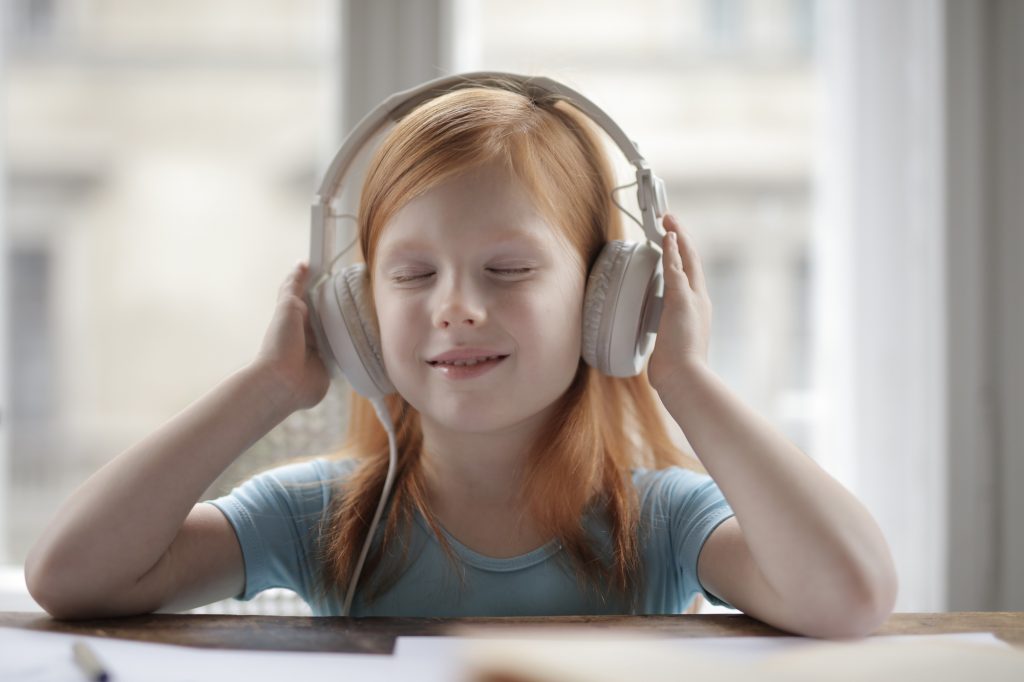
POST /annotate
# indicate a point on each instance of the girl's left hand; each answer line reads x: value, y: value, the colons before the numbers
x: 684, y: 331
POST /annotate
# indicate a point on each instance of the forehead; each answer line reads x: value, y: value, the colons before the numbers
x: 511, y: 237
x: 483, y: 207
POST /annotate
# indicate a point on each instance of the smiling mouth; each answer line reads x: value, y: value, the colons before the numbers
x: 465, y: 363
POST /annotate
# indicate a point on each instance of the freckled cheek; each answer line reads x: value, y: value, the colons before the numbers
x: 402, y: 333
x: 556, y: 327
x: 568, y: 307
x: 572, y: 330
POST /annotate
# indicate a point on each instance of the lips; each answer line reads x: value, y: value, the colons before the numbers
x: 467, y: 362
x: 466, y: 355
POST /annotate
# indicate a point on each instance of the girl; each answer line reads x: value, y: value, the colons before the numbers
x: 528, y: 484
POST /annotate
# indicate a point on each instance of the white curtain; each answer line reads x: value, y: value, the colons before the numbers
x: 879, y: 271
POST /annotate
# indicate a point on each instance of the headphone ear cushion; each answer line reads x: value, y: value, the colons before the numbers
x: 358, y: 308
x: 605, y: 273
x: 620, y: 306
x: 350, y: 325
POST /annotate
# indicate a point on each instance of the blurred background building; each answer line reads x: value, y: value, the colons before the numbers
x: 160, y: 159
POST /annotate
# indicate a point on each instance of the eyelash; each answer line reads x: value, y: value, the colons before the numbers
x: 514, y: 271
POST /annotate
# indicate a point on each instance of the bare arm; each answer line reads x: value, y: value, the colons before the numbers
x: 802, y: 553
x: 119, y: 525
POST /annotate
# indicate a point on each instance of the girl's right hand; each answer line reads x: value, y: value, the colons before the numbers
x: 289, y: 350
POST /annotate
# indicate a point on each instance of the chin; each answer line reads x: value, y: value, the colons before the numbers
x: 471, y: 413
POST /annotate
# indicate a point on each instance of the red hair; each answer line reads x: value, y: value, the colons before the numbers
x: 600, y: 428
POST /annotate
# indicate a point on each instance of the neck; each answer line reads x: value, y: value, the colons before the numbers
x: 477, y: 469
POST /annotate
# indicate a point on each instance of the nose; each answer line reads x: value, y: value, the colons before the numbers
x: 459, y: 304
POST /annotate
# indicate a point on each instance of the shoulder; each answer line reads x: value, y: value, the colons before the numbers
x: 670, y: 484
x: 318, y: 469
x: 682, y: 497
x: 299, y: 484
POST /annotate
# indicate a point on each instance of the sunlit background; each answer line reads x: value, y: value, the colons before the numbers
x: 160, y: 159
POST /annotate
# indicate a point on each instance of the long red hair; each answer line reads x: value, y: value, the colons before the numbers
x: 600, y: 428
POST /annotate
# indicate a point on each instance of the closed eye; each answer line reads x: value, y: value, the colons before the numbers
x: 507, y: 272
x: 410, y: 278
x: 514, y: 271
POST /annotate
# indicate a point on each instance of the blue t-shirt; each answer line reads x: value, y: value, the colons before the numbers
x: 276, y: 516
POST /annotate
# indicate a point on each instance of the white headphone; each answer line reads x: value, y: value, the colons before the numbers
x: 625, y: 287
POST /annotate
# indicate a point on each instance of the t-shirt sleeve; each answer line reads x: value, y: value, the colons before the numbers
x: 693, y: 506
x: 276, y: 516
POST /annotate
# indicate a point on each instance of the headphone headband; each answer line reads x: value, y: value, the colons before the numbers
x: 650, y: 188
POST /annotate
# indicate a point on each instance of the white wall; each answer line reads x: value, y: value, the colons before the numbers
x: 985, y: 201
x: 4, y: 383
x: 1006, y: 143
x: 972, y: 424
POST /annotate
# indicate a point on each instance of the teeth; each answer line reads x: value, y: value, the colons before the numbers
x: 467, y: 363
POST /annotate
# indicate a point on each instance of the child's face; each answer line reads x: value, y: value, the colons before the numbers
x: 459, y: 298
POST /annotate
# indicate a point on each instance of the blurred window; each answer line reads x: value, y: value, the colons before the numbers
x: 159, y: 159
x: 31, y: 21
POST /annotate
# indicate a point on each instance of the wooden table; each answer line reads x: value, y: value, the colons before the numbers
x: 377, y: 635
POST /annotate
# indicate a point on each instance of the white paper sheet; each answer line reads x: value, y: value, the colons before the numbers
x: 32, y: 656
x: 605, y: 656
x: 747, y: 649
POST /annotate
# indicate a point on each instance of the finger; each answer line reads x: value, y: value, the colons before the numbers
x: 688, y: 253
x: 307, y: 328
x: 675, y: 275
x: 297, y: 278
x: 300, y: 271
x: 295, y: 282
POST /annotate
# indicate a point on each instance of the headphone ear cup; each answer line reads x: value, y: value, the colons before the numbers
x: 349, y: 326
x: 621, y: 308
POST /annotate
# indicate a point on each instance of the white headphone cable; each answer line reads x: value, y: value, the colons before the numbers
x: 623, y: 208
x: 385, y: 419
x: 329, y: 270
